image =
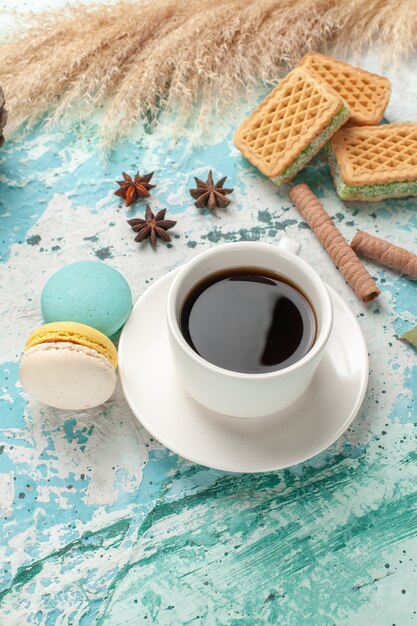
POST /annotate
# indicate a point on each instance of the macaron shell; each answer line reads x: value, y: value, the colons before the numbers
x: 75, y: 333
x: 67, y: 376
x: 88, y: 292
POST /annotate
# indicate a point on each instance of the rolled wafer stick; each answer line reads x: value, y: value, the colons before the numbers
x: 333, y: 241
x: 385, y: 253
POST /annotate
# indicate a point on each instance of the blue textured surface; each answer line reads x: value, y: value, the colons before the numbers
x: 100, y: 524
x: 88, y: 292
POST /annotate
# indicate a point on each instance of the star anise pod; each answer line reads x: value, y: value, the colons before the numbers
x: 152, y: 226
x: 210, y: 194
x: 133, y: 188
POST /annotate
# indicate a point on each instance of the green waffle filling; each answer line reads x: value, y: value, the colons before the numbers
x: 367, y: 192
x: 308, y: 153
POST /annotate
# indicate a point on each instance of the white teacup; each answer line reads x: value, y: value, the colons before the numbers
x: 234, y: 393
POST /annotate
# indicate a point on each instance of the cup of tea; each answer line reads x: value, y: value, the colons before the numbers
x: 248, y: 324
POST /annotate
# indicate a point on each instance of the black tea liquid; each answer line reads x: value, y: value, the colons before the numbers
x: 248, y: 320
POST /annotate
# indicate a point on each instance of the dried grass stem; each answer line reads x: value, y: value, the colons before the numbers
x: 194, y: 57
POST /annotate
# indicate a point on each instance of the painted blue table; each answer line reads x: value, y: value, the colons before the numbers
x: 100, y: 523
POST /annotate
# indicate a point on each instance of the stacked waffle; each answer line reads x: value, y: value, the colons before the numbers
x: 308, y: 109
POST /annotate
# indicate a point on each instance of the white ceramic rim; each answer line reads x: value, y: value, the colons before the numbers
x: 174, y: 328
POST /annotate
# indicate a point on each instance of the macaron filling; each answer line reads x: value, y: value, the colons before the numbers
x: 308, y: 153
x: 55, y: 345
x: 79, y: 334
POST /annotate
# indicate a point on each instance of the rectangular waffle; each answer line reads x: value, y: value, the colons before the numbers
x: 374, y: 162
x: 293, y: 122
x: 365, y: 94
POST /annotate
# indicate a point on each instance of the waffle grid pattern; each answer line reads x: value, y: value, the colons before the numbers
x: 365, y: 94
x: 286, y: 122
x: 376, y: 154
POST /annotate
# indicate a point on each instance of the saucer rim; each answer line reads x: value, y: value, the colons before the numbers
x: 349, y: 419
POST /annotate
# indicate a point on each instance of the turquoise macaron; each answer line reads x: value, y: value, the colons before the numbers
x: 90, y: 293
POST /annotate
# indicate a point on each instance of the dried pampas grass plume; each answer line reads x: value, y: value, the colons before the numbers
x: 195, y: 58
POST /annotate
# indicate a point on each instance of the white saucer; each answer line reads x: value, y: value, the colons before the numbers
x: 229, y: 443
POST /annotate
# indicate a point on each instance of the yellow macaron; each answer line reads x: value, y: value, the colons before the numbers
x: 70, y: 366
x: 75, y: 333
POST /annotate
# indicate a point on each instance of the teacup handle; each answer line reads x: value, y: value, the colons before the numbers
x: 291, y: 245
